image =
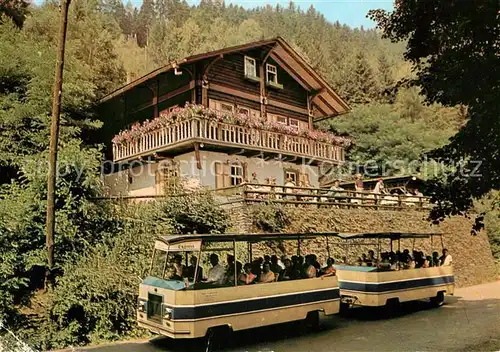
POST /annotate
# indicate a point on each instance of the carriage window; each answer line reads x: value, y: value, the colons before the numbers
x: 159, y: 263
x: 250, y: 67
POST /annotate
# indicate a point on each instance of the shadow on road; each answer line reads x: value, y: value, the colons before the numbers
x: 376, y: 313
x: 244, y: 340
x: 474, y: 328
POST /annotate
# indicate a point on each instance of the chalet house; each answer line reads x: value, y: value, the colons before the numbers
x: 220, y: 117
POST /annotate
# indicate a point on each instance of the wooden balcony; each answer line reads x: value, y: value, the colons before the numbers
x: 225, y: 135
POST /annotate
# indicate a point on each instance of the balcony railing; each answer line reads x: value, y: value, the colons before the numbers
x: 229, y: 135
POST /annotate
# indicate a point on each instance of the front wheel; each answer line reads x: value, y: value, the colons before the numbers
x: 216, y: 337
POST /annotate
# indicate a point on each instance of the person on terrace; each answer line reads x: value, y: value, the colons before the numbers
x: 358, y: 183
x: 379, y: 187
x: 254, y: 178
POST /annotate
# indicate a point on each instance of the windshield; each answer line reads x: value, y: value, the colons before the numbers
x: 176, y: 266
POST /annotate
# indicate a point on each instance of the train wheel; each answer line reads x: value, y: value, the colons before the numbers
x: 312, y: 320
x: 437, y: 301
x: 392, y: 307
x: 344, y: 308
x: 216, y: 337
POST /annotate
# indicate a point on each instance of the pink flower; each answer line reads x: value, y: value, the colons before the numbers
x: 190, y: 111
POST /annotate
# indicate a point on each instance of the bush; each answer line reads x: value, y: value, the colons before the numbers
x: 270, y: 217
x: 96, y: 298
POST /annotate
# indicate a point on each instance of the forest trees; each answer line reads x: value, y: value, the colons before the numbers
x: 454, y: 47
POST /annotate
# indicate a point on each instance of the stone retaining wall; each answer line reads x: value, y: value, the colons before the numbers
x: 472, y: 258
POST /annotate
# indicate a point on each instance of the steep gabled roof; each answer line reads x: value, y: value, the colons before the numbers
x: 327, y: 102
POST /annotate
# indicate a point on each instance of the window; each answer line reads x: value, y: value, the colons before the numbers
x: 166, y: 178
x: 229, y: 173
x: 236, y: 174
x: 226, y: 107
x: 271, y: 74
x: 282, y: 120
x: 292, y: 174
x: 250, y: 67
x: 243, y: 111
x: 294, y: 123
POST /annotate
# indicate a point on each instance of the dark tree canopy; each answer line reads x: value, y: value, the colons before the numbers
x: 454, y: 46
x: 15, y: 9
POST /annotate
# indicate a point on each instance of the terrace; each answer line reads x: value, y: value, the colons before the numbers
x: 186, y: 128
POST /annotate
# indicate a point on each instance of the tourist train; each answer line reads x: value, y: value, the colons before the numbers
x: 190, y: 294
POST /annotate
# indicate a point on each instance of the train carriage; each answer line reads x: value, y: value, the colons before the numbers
x: 374, y: 287
x: 183, y: 309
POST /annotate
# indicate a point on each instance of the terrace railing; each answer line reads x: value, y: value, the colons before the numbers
x: 255, y: 193
x: 225, y: 134
x: 251, y: 193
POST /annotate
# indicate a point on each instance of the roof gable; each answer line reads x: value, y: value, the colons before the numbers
x: 323, y: 98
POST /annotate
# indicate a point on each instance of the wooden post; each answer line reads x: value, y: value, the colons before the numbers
x: 309, y: 111
x: 197, y: 155
x: 54, y: 134
x: 155, y: 97
x: 193, y: 91
x: 204, y: 91
x: 263, y: 108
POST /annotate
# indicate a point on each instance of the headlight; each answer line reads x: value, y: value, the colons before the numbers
x: 167, y: 313
x: 141, y: 306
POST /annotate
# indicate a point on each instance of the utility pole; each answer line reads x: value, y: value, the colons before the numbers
x: 54, y: 134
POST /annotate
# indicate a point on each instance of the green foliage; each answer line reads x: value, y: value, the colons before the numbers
x: 270, y: 217
x: 17, y: 10
x: 195, y: 212
x: 454, y: 49
x: 489, y: 207
x: 80, y: 224
x: 96, y: 298
x: 391, y: 138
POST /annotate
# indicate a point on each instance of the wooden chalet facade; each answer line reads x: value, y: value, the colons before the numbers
x: 265, y: 81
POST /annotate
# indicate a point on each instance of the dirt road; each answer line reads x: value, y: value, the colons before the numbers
x: 469, y: 321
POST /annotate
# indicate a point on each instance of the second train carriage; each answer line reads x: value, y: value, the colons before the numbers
x: 373, y: 286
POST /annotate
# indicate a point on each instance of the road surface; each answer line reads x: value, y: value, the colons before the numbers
x: 469, y: 321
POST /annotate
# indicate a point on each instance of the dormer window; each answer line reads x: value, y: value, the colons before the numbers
x: 271, y: 74
x: 250, y: 67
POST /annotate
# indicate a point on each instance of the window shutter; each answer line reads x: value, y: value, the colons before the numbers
x: 219, y: 176
x: 212, y: 104
x: 245, y: 171
x: 303, y: 177
x: 226, y: 174
x: 158, y: 182
x: 303, y: 125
